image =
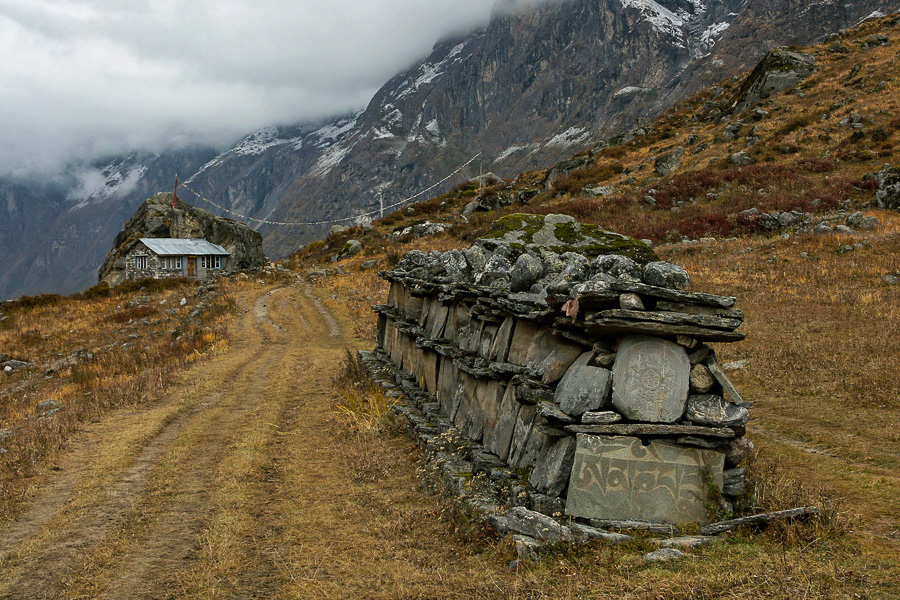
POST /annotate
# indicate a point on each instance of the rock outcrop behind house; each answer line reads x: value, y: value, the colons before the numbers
x: 157, y: 219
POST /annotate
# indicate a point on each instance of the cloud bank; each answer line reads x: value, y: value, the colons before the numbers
x: 86, y: 79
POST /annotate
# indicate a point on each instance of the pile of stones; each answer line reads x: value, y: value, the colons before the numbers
x: 547, y: 375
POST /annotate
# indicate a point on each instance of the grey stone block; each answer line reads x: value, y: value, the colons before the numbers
x: 499, y: 438
x: 537, y: 525
x: 715, y: 411
x: 554, y: 466
x: 583, y: 388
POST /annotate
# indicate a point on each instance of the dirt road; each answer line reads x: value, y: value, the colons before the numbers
x: 236, y: 485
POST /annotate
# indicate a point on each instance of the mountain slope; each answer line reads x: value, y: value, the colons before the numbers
x: 538, y: 83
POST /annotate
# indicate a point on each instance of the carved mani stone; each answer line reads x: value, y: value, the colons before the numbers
x: 620, y: 478
x: 650, y: 379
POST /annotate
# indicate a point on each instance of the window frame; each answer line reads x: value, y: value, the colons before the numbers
x: 141, y: 262
x: 173, y: 263
x: 211, y: 261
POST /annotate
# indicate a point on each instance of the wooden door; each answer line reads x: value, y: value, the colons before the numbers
x: 192, y: 267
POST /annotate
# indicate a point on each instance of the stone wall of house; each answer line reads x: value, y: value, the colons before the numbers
x: 154, y: 265
x: 155, y: 268
x: 594, y: 394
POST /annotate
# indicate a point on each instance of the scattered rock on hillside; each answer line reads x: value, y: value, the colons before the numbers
x: 741, y: 159
x: 664, y: 555
x: 888, y: 194
x: 420, y: 230
x: 779, y: 70
x: 668, y: 163
x: 15, y: 365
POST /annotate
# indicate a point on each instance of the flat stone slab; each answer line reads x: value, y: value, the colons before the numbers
x: 537, y: 525
x: 650, y: 379
x: 664, y: 555
x: 672, y: 318
x: 761, y: 519
x: 586, y: 532
x: 619, y: 478
x: 602, y: 417
x: 688, y: 541
x: 618, y: 525
x: 675, y: 295
x: 607, y: 327
x: 720, y: 376
x: 651, y: 429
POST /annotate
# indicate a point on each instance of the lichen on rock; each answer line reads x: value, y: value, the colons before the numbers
x: 561, y: 234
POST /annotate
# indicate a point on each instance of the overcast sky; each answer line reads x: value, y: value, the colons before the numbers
x: 88, y: 78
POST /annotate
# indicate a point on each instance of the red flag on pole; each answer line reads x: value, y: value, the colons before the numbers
x: 175, y: 194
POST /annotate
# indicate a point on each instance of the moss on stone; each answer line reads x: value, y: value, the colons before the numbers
x: 520, y: 230
x: 525, y: 226
x: 568, y: 233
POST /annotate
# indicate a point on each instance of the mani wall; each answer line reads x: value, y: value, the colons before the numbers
x: 556, y: 367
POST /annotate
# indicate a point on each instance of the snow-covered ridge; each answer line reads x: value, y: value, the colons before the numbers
x: 428, y: 72
x: 260, y: 141
x: 673, y: 24
x: 114, y: 180
x: 331, y: 132
x: 267, y: 138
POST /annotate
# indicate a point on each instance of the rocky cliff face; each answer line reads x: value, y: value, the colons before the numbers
x: 538, y: 83
x: 157, y: 219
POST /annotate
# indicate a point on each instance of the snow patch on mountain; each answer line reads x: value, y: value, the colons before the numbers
x: 428, y: 72
x: 712, y: 35
x: 330, y: 159
x: 333, y: 131
x: 114, y: 180
x: 671, y: 23
x: 513, y: 149
x: 260, y: 141
x: 570, y: 137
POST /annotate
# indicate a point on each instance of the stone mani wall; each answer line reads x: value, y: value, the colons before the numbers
x: 606, y: 414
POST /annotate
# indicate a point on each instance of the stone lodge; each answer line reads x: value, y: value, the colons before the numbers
x: 159, y: 258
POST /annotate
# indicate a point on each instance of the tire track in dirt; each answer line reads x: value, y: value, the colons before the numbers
x: 47, y: 545
x: 334, y: 329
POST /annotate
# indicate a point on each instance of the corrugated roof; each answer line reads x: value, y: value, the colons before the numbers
x: 183, y: 247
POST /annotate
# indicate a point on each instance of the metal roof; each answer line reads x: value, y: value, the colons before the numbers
x: 183, y: 247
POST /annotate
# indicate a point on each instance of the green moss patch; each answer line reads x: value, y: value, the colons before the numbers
x: 561, y: 234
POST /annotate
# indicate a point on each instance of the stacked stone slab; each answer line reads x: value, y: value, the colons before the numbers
x: 590, y: 391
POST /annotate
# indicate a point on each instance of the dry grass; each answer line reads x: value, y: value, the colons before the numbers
x: 91, y: 354
x: 361, y: 404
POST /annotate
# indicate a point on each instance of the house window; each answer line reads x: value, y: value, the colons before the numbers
x: 140, y: 263
x: 211, y: 262
x: 172, y: 263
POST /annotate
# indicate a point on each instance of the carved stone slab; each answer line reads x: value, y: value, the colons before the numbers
x: 650, y: 379
x: 621, y: 479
